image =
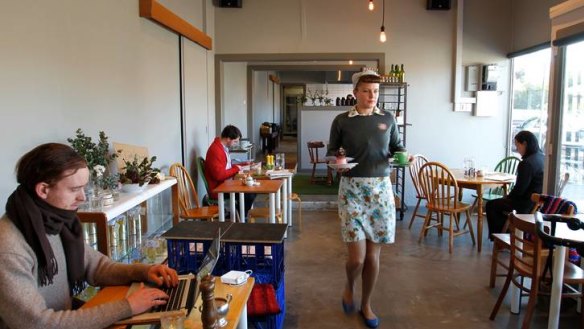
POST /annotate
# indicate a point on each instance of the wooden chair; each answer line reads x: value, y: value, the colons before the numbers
x: 509, y: 166
x: 263, y: 212
x: 441, y: 190
x: 502, y: 241
x: 414, y: 168
x: 527, y: 262
x: 188, y: 198
x: 313, y: 148
x: 562, y: 184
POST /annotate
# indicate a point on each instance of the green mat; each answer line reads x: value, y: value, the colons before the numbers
x: 301, y: 185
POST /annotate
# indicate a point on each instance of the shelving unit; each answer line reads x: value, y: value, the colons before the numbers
x: 117, y: 230
x: 393, y: 98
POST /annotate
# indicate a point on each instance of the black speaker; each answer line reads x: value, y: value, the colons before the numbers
x: 230, y: 3
x: 438, y: 5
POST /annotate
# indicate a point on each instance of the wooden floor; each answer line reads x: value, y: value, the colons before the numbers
x: 419, y: 286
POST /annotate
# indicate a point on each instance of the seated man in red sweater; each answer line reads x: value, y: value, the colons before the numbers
x: 218, y: 167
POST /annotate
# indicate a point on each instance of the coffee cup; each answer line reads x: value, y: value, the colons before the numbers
x: 401, y: 157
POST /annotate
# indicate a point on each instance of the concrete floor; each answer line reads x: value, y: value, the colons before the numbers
x: 419, y: 286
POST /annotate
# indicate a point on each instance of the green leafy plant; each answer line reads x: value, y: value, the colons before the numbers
x: 139, y: 171
x: 97, y: 155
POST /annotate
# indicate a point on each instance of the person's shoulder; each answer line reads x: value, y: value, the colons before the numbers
x: 11, y: 239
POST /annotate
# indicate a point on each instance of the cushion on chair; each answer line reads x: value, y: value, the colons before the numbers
x: 262, y: 301
x: 555, y: 205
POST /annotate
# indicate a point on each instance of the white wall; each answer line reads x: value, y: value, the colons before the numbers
x: 95, y: 65
x: 531, y: 22
x: 235, y: 100
x: 424, y: 41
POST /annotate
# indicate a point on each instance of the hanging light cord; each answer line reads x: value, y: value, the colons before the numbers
x: 383, y: 15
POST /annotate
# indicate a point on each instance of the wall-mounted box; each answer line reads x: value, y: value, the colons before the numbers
x: 489, y: 76
x: 487, y: 103
x: 472, y: 78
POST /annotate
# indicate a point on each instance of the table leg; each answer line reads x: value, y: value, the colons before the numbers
x: 555, y: 299
x: 221, y: 207
x: 232, y: 207
x: 242, y: 324
x: 284, y: 201
x: 480, y: 218
x: 289, y: 201
x: 513, y: 289
x: 273, y: 208
x: 242, y: 208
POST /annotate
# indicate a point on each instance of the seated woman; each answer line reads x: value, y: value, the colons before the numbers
x: 529, y: 180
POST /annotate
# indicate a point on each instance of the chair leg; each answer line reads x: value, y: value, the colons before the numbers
x: 425, y: 226
x: 472, y: 208
x: 414, y: 214
x: 312, y: 179
x: 531, y: 303
x: 494, y: 258
x: 453, y: 218
x: 502, y: 294
x: 469, y: 223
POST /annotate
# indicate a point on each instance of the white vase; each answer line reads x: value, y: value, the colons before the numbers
x: 133, y: 188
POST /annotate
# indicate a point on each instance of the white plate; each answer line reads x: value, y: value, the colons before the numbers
x: 334, y: 158
x: 343, y: 165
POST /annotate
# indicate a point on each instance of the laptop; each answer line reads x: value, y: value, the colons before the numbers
x: 183, y: 296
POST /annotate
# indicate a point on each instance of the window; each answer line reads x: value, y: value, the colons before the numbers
x: 531, y: 74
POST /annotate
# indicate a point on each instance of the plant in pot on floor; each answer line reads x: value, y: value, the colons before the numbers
x: 137, y: 174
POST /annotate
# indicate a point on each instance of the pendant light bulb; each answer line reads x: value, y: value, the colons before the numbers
x: 382, y: 36
x: 371, y: 5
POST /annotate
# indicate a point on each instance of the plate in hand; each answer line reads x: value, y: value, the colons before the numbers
x: 342, y: 165
x: 333, y: 158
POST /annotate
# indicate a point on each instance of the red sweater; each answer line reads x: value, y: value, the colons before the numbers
x: 215, y: 163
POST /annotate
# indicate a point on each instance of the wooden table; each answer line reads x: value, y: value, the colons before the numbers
x: 478, y: 184
x: 271, y: 187
x: 562, y: 231
x: 236, y: 317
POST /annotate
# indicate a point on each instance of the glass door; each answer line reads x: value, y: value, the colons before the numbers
x: 571, y: 142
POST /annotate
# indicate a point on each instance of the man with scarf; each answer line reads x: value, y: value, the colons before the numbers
x: 44, y: 261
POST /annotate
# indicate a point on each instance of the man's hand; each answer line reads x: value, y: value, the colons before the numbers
x: 144, y: 299
x: 162, y: 274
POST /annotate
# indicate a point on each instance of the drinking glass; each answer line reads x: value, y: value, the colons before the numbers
x: 280, y: 161
x: 172, y: 320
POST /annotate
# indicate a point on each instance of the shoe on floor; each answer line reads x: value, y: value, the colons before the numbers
x: 370, y: 323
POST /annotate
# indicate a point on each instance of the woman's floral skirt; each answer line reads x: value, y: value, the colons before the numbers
x: 367, y: 209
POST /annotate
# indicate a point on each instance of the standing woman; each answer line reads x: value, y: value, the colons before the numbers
x: 529, y: 181
x: 366, y: 204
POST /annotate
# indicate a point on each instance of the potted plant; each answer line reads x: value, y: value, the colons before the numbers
x: 138, y: 173
x: 98, y: 158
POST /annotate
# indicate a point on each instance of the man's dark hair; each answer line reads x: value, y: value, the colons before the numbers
x: 231, y: 132
x: 532, y: 143
x: 47, y: 163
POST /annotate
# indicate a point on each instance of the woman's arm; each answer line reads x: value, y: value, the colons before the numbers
x: 524, y: 177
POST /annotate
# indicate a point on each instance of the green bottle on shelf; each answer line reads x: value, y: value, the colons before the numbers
x: 402, y: 74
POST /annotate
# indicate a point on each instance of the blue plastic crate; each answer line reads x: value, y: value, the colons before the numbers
x: 265, y: 260
x: 272, y: 321
x: 186, y: 256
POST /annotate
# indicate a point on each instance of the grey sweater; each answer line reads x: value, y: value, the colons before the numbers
x: 371, y: 140
x: 25, y: 304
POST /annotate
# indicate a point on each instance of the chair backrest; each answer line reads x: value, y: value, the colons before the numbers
x: 550, y: 204
x: 439, y: 186
x: 526, y: 248
x: 187, y: 194
x: 414, y: 168
x: 201, y: 171
x: 509, y: 166
x: 313, y: 147
x: 562, y: 184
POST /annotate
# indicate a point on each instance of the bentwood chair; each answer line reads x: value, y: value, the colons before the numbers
x: 188, y: 198
x: 414, y: 168
x: 546, y: 204
x: 527, y: 261
x: 442, y: 192
x: 315, y: 159
x: 562, y: 184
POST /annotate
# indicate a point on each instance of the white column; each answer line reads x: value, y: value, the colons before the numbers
x: 242, y: 208
x: 555, y: 299
x: 272, y: 208
x: 232, y: 207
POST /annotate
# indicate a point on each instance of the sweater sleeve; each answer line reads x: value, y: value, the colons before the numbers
x: 334, y: 137
x: 23, y: 306
x: 215, y: 163
x: 524, y: 176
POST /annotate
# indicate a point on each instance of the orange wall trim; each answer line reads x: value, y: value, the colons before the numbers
x: 156, y: 12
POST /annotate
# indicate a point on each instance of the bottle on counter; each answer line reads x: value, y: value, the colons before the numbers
x: 402, y: 74
x: 338, y: 101
x: 343, y: 101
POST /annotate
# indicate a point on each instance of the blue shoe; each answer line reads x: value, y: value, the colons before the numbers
x: 348, y: 308
x: 370, y: 323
